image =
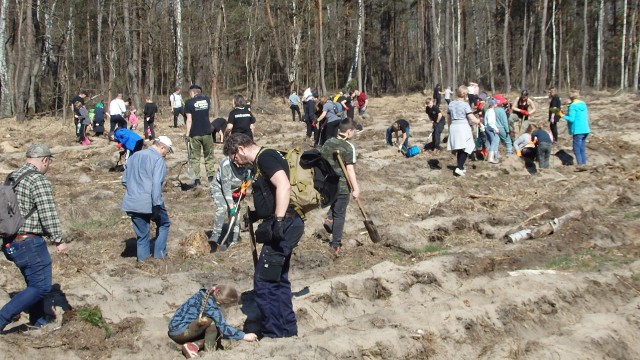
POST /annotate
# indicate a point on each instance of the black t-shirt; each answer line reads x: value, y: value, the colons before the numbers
x: 436, y: 93
x: 268, y: 163
x: 73, y: 101
x: 404, y: 125
x: 150, y: 110
x: 218, y: 124
x: 433, y: 113
x: 555, y: 103
x: 198, y: 106
x: 98, y: 114
x: 241, y: 119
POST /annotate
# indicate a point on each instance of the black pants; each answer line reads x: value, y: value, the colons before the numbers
x: 149, y: 128
x: 176, y: 112
x: 83, y: 132
x: 116, y: 121
x: 295, y: 109
x: 437, y: 133
x: 330, y: 130
x: 554, y: 130
x: 461, y: 157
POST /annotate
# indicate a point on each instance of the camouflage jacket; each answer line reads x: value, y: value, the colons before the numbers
x: 228, y: 179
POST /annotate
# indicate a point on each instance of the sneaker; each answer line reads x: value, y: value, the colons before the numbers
x: 337, y: 251
x: 327, y: 223
x: 190, y: 350
x: 459, y: 172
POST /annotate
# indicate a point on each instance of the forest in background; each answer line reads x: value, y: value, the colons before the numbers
x: 55, y: 48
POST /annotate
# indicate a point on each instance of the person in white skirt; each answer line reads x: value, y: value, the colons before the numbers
x: 460, y: 120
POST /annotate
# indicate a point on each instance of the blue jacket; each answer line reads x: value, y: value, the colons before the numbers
x: 189, y: 311
x: 143, y: 178
x: 577, y: 118
x: 128, y: 138
x: 502, y: 121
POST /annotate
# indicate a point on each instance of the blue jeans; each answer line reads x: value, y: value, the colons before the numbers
x: 32, y: 258
x: 271, y: 282
x: 142, y: 227
x: 492, y: 139
x: 389, y: 137
x: 361, y: 110
x: 580, y: 148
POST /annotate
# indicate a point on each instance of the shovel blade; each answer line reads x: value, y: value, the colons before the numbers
x: 372, y: 230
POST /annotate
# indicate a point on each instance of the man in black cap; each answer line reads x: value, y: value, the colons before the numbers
x: 28, y: 248
x: 198, y: 132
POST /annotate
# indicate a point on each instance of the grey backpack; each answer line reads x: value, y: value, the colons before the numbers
x: 10, y: 217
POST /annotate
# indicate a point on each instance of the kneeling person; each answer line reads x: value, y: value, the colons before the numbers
x: 334, y: 222
x: 194, y: 332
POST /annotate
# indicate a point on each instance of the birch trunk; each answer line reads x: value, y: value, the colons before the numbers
x: 600, y: 50
x: 505, y: 45
x: 525, y: 42
x: 585, y: 44
x: 296, y: 37
x: 435, y: 52
x: 355, y: 65
x: 637, y: 70
x: 554, y: 43
x: 542, y: 80
x: 178, y: 43
x: 131, y: 54
x: 476, y: 42
x: 6, y: 96
x: 490, y: 48
x: 623, y: 81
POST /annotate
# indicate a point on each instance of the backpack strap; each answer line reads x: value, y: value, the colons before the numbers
x: 14, y: 184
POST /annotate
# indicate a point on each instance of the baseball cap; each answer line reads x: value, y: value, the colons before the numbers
x: 492, y: 102
x: 194, y: 86
x: 500, y: 99
x: 166, y: 141
x: 38, y: 151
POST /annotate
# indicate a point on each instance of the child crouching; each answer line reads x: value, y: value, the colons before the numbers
x: 198, y: 324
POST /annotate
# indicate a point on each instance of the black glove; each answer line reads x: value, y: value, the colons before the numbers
x: 278, y: 230
x: 155, y: 212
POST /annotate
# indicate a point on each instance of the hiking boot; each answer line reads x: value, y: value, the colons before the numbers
x: 459, y: 172
x: 190, y: 350
x: 327, y: 223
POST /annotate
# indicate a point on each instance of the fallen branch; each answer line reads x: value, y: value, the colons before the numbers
x: 533, y: 217
x: 489, y: 197
x: 628, y: 284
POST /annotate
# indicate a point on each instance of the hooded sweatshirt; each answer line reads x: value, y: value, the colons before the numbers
x: 577, y: 118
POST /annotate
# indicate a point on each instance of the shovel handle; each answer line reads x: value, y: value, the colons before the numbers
x: 346, y: 176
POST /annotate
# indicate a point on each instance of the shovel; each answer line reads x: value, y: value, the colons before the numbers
x: 368, y: 223
x: 188, y: 178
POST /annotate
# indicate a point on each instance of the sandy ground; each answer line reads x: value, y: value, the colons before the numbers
x: 443, y: 284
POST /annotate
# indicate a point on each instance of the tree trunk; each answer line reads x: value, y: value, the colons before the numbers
x: 26, y: 49
x: 151, y: 51
x: 525, y: 43
x: 435, y: 46
x: 274, y: 34
x: 585, y: 44
x: 542, y: 80
x: 99, y: 44
x: 505, y: 46
x: 476, y: 42
x: 623, y: 82
x: 6, y: 95
x: 296, y: 37
x: 355, y: 65
x: 112, y: 48
x: 554, y: 49
x: 215, y: 63
x: 323, y: 86
x: 600, y: 51
x: 637, y: 70
x: 178, y: 44
x: 490, y: 48
x: 131, y: 54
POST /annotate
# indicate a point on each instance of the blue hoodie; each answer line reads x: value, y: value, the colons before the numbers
x: 577, y: 118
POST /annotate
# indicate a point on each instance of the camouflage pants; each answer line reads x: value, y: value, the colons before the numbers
x: 204, y: 334
x: 221, y: 216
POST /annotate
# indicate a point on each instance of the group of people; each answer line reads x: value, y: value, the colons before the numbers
x: 478, y: 123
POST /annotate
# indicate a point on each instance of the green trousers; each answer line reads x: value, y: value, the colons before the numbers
x: 202, y: 145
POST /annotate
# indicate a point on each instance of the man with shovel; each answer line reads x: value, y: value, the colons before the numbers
x: 280, y: 231
x: 336, y: 216
x: 198, y: 132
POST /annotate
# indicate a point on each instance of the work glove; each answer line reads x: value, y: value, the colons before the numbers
x: 236, y: 194
x: 277, y: 230
x: 232, y: 211
x: 518, y: 153
x: 400, y: 147
x: 560, y: 113
x: 524, y: 112
x: 155, y: 212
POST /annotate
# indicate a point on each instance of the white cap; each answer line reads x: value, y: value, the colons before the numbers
x: 166, y: 141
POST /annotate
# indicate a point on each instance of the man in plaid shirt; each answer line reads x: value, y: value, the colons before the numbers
x: 28, y: 249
